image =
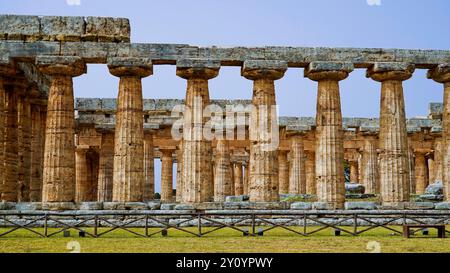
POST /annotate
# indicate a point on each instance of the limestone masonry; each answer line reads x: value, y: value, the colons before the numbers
x: 59, y: 152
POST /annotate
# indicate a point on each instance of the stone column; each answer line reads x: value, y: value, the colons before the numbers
x: 179, y: 181
x: 437, y: 161
x: 82, y: 183
x: 297, y: 171
x: 24, y: 140
x: 420, y: 168
x: 197, y: 151
x: 246, y: 177
x: 6, y: 72
x: 412, y: 173
x: 310, y: 170
x: 431, y: 171
x: 128, y: 181
x: 329, y: 133
x: 394, y: 169
x: 223, y: 182
x: 149, y: 166
x: 441, y: 74
x: 238, y: 179
x: 369, y: 165
x: 354, y: 172
x: 283, y: 172
x: 36, y: 154
x: 59, y: 152
x: 166, y: 175
x: 263, y: 129
x: 11, y: 159
x: 106, y: 167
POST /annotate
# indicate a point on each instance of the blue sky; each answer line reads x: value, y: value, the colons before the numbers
x: 413, y: 24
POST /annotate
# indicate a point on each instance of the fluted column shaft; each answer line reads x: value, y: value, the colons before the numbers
x: 246, y: 177
x: 36, y: 154
x: 24, y: 140
x: 128, y: 181
x: 83, y: 190
x: 441, y: 74
x: 297, y: 171
x: 420, y: 168
x: 412, y: 173
x: 238, y: 179
x: 310, y: 170
x: 394, y: 167
x: 179, y: 181
x: 369, y: 166
x: 11, y: 158
x: 437, y: 161
x: 222, y: 179
x: 283, y: 172
x: 263, y: 129
x: 166, y: 175
x: 149, y: 173
x: 329, y: 133
x: 196, y: 149
x: 106, y: 168
x: 431, y: 168
x: 354, y: 171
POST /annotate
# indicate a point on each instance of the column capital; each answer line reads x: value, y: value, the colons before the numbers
x: 82, y: 149
x: 263, y: 69
x: 61, y: 65
x: 421, y: 151
x: 319, y: 71
x: 197, y: 69
x: 385, y: 71
x: 124, y: 66
x: 166, y: 152
x: 440, y: 73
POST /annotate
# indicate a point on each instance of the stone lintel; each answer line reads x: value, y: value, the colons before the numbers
x: 61, y: 65
x: 318, y: 71
x: 128, y: 66
x: 263, y: 69
x: 198, y: 63
x: 440, y: 73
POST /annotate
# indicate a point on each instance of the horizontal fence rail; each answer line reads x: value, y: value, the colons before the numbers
x: 248, y: 223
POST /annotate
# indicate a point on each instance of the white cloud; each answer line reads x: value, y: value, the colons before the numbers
x: 374, y: 2
x: 73, y: 2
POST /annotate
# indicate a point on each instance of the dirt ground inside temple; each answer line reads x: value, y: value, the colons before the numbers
x: 277, y: 240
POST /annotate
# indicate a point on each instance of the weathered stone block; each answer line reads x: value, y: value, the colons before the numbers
x: 391, y: 66
x: 435, y: 188
x: 57, y: 206
x: 322, y: 206
x: 329, y: 66
x: 354, y: 188
x: 62, y: 28
x: 19, y: 27
x: 184, y: 207
x: 443, y: 206
x: 360, y: 205
x: 168, y: 206
x: 154, y: 205
x: 83, y: 104
x: 135, y: 206
x: 28, y: 206
x: 90, y: 206
x: 107, y: 29
x: 209, y: 206
x: 419, y: 205
x: 239, y: 198
x: 301, y: 206
x: 198, y: 63
x: 264, y: 64
x: 7, y: 205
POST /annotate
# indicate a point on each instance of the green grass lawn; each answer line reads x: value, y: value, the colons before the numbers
x: 225, y: 240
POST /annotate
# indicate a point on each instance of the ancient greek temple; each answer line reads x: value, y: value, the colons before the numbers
x: 59, y: 150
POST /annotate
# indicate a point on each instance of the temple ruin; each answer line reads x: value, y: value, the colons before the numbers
x: 60, y: 151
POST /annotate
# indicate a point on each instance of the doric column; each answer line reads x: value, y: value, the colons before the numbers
x: 129, y: 132
x: 431, y: 167
x: 437, y: 161
x: 263, y: 129
x: 179, y: 181
x: 283, y: 172
x: 394, y: 169
x: 149, y: 166
x: 354, y: 171
x: 36, y: 153
x: 6, y: 72
x: 197, y: 151
x: 369, y: 165
x: 420, y: 168
x: 441, y: 74
x: 412, y: 172
x: 222, y: 178
x: 24, y: 141
x: 310, y: 170
x: 83, y: 188
x: 166, y: 175
x: 297, y: 171
x: 238, y: 179
x: 329, y: 133
x: 106, y: 167
x: 59, y: 151
x: 246, y: 176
